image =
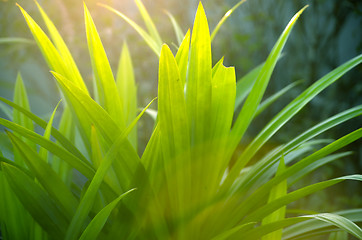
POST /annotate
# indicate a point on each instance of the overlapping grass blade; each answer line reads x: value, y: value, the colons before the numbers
x: 106, y: 86
x: 291, y: 109
x: 90, y: 194
x: 250, y: 106
x: 222, y: 110
x: 176, y: 27
x: 182, y: 57
x: 12, y: 163
x: 331, y: 219
x: 47, y: 177
x: 36, y: 201
x: 317, y: 227
x: 175, y: 133
x: 245, y: 84
x: 152, y: 30
x: 264, y: 163
x: 234, y: 231
x: 256, y: 198
x: 6, y: 110
x: 127, y: 90
x: 62, y: 153
x: 270, y: 100
x: 152, y: 43
x: 97, y: 223
x: 223, y: 99
x: 224, y: 18
x: 92, y: 114
x: 276, y: 193
x: 14, y: 219
x: 275, y: 204
x: 71, y: 68
x: 316, y: 165
x: 21, y: 98
x: 50, y: 53
x: 43, y: 153
x: 55, y: 133
x: 340, y: 222
x: 198, y: 83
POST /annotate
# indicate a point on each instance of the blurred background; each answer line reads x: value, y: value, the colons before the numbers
x: 328, y: 33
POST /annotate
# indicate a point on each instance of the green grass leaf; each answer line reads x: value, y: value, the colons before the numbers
x: 245, y: 84
x: 250, y: 106
x: 174, y: 127
x: 97, y: 223
x: 36, y: 201
x: 62, y: 153
x: 43, y: 124
x: 43, y: 153
x: 270, y: 100
x: 198, y: 83
x: 176, y: 27
x: 316, y: 227
x: 106, y: 86
x: 257, y: 197
x: 291, y: 109
x: 21, y: 98
x: 340, y: 222
x: 47, y: 177
x: 90, y: 194
x: 12, y: 40
x: 152, y: 30
x: 14, y: 219
x: 224, y: 18
x: 49, y: 51
x: 182, y: 57
x: 151, y: 42
x: 71, y: 68
x: 90, y: 113
x: 277, y: 192
x: 264, y: 163
x: 127, y: 90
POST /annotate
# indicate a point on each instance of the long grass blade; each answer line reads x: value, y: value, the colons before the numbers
x: 182, y: 57
x: 97, y: 223
x: 224, y: 18
x: 176, y: 27
x: 127, y: 90
x: 245, y: 84
x: 250, y: 106
x: 11, y: 40
x: 71, y: 159
x: 43, y: 153
x: 291, y: 109
x: 152, y: 30
x: 106, y: 86
x: 47, y: 177
x: 175, y: 137
x: 71, y: 67
x: 43, y: 124
x: 276, y: 193
x: 87, y: 201
x: 317, y: 227
x: 36, y: 202
x: 270, y: 100
x: 156, y: 48
x: 198, y: 84
x: 264, y: 163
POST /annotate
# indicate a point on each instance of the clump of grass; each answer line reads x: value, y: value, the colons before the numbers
x: 183, y: 186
